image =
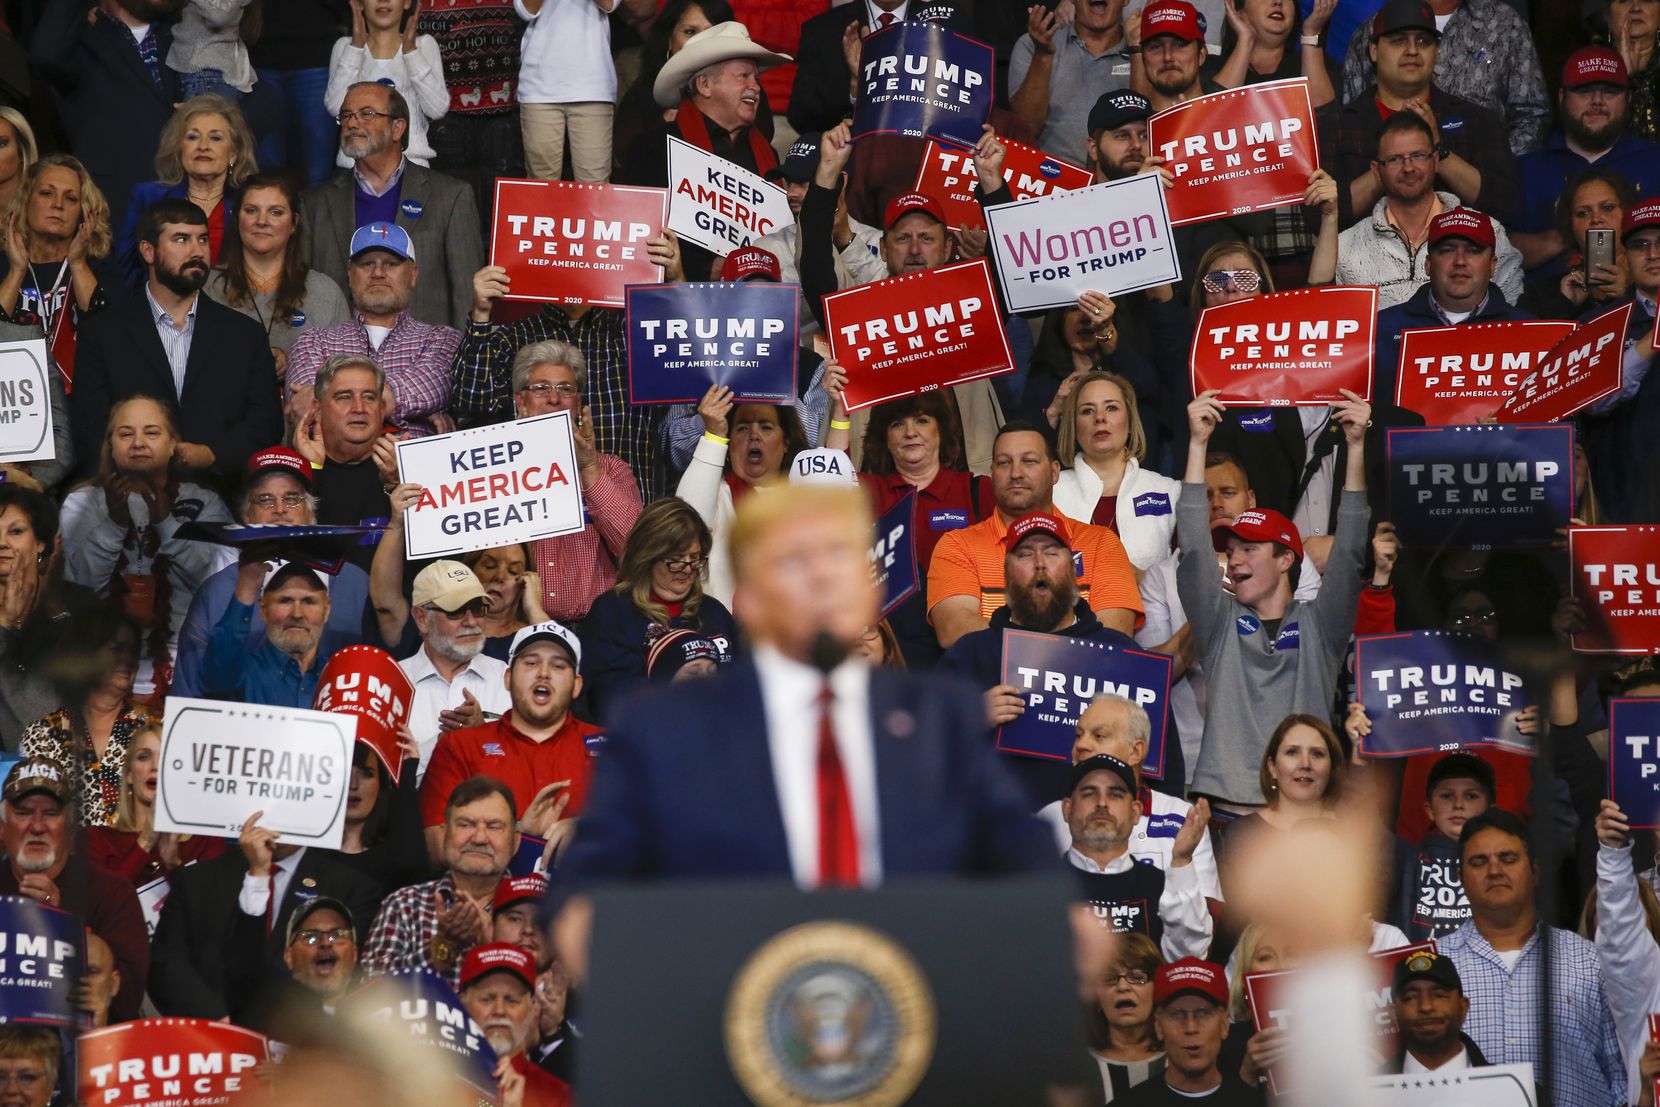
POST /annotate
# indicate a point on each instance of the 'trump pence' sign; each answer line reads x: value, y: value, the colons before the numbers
x: 1112, y: 237
x: 1615, y: 575
x: 365, y: 683
x: 1296, y: 347
x: 1459, y: 374
x: 25, y: 402
x: 1431, y: 691
x: 1485, y: 486
x: 42, y: 959
x: 573, y: 243
x: 221, y: 762
x: 893, y: 554
x: 1577, y: 372
x: 181, y: 1062
x: 947, y: 174
x: 1634, y: 759
x: 922, y: 80
x: 718, y: 205
x: 491, y: 486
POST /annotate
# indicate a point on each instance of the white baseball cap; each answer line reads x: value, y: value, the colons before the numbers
x: 825, y: 466
x: 552, y: 631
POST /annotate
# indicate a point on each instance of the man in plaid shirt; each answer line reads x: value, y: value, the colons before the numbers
x: 1499, y: 952
x: 415, y: 356
x: 432, y: 925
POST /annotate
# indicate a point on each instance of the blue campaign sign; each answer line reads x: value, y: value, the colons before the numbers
x: 527, y: 860
x: 1634, y: 759
x: 432, y: 1014
x: 1059, y: 676
x: 893, y: 555
x: 682, y: 338
x: 1431, y: 691
x: 318, y: 546
x: 922, y: 80
x: 1489, y: 486
x: 45, y: 957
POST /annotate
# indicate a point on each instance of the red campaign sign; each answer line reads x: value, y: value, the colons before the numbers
x: 1458, y: 375
x: 1577, y: 372
x: 366, y: 682
x: 570, y: 243
x: 1287, y: 348
x: 1264, y: 991
x: 1615, y: 576
x: 947, y: 174
x: 917, y: 333
x: 184, y: 1062
x: 1247, y: 149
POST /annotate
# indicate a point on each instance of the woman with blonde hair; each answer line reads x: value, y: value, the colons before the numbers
x: 130, y: 846
x: 204, y: 154
x: 1103, y: 443
x: 18, y: 151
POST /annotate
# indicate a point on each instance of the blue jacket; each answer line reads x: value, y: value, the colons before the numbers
x: 264, y: 674
x: 1416, y: 313
x: 614, y: 647
x: 1544, y: 171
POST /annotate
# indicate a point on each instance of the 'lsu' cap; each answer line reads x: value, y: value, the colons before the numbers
x: 35, y: 774
x: 446, y: 585
x: 279, y: 459
x: 1259, y: 525
x: 1595, y: 65
x: 1462, y: 223
x: 308, y: 908
x: 491, y: 957
x: 823, y: 466
x: 1189, y: 976
x: 550, y: 631
x: 517, y: 889
x: 1640, y: 217
x: 1104, y: 763
x: 1403, y: 15
x: 801, y: 162
x: 901, y: 206
x: 1172, y: 17
x: 751, y: 261
x: 1034, y: 523
x: 1430, y: 966
x: 1114, y: 109
x: 382, y: 236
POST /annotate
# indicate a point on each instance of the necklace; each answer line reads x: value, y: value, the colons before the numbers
x: 49, y: 315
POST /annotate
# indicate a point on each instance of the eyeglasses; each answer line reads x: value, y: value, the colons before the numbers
x: 1395, y: 161
x: 542, y: 388
x: 1235, y: 280
x: 268, y: 500
x: 340, y: 935
x: 1133, y: 977
x: 367, y: 115
x: 684, y: 564
x: 28, y: 1080
x: 1192, y: 1014
x: 473, y: 607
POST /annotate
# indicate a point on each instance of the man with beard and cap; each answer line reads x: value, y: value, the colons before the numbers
x: 1172, y: 52
x: 1595, y: 109
x: 1041, y: 596
x: 415, y: 356
x: 41, y: 863
x: 498, y: 989
x: 282, y: 670
x: 436, y: 212
x: 107, y: 60
x: 277, y: 492
x: 452, y: 676
x: 210, y: 365
x: 1125, y: 894
x: 1427, y: 1001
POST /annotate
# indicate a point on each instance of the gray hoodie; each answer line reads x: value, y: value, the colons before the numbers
x: 1256, y: 680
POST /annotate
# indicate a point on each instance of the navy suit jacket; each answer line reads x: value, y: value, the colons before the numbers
x: 684, y: 787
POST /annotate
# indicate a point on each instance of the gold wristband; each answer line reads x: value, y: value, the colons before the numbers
x: 840, y: 424
x: 713, y: 437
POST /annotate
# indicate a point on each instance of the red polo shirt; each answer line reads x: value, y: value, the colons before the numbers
x: 947, y: 504
x: 498, y: 750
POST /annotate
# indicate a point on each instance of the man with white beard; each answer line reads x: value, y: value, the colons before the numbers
x: 456, y: 685
x: 498, y: 989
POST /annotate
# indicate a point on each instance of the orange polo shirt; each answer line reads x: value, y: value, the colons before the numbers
x: 969, y: 562
x: 496, y: 749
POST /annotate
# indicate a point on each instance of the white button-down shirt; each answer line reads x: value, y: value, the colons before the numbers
x: 484, y: 677
x: 789, y: 695
x: 255, y: 896
x: 1457, y: 1063
x: 873, y: 14
x: 175, y: 343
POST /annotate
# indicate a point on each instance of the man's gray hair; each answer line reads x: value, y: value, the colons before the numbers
x: 325, y: 375
x: 550, y: 352
x: 1141, y: 727
x: 396, y: 106
x: 252, y: 490
x: 712, y: 71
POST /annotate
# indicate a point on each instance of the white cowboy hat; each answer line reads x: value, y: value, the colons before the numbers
x: 722, y: 42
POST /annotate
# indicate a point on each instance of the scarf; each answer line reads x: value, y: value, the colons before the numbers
x: 695, y: 129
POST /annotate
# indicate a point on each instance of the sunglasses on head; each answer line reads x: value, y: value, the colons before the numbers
x: 1232, y: 280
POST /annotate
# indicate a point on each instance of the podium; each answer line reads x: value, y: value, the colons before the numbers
x: 925, y: 991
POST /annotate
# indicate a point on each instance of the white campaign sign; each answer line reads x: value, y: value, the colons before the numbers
x: 1112, y: 237
x: 1494, y: 1086
x: 718, y: 205
x: 221, y: 762
x: 491, y: 486
x: 25, y: 402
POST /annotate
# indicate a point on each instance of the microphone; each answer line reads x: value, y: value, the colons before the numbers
x: 826, y: 652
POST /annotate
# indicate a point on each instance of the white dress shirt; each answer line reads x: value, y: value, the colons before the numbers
x: 484, y: 676
x: 789, y: 696
x: 873, y: 14
x: 255, y: 896
x: 1457, y: 1063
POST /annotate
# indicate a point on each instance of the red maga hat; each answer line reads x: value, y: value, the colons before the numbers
x: 1259, y: 525
x: 1462, y: 223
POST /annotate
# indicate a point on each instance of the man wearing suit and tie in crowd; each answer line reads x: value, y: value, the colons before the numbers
x: 800, y: 763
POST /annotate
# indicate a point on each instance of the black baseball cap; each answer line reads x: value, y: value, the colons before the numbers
x: 1404, y: 15
x: 800, y: 162
x: 1461, y: 766
x: 1114, y: 109
x: 1430, y: 966
x: 1103, y: 762
x: 310, y: 907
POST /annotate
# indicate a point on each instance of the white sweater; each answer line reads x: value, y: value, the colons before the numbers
x: 1630, y: 958
x: 703, y: 485
x: 1146, y: 510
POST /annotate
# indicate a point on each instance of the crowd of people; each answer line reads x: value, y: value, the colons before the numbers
x: 253, y: 236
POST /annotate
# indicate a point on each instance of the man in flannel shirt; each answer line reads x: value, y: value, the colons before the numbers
x: 432, y: 925
x: 415, y: 356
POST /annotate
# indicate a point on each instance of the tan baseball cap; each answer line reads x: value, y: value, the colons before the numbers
x: 446, y: 585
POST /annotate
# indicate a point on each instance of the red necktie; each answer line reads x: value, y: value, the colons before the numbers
x: 838, y: 845
x: 886, y: 20
x: 271, y: 901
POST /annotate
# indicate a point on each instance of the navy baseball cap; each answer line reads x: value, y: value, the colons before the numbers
x: 801, y: 162
x: 1114, y: 109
